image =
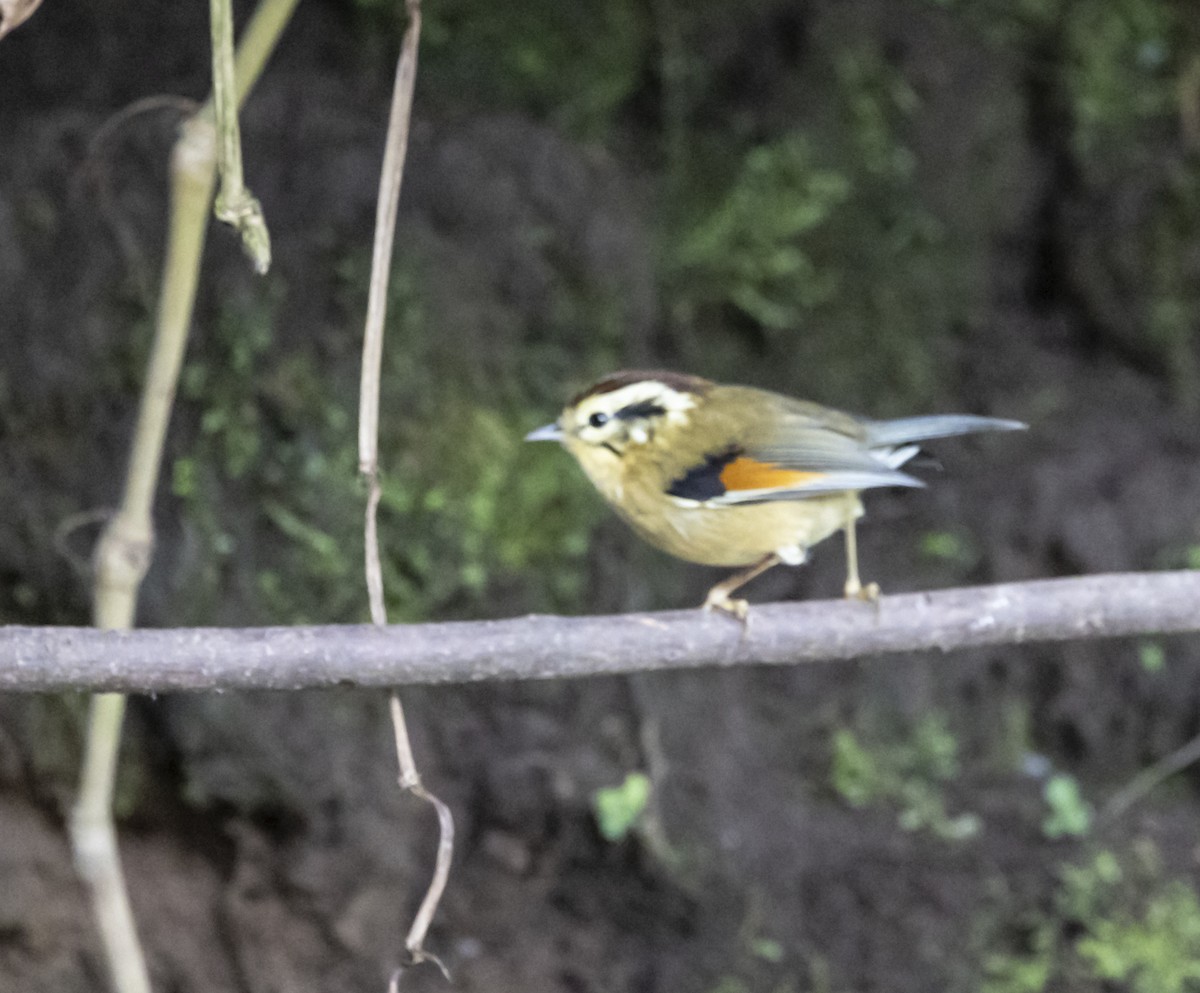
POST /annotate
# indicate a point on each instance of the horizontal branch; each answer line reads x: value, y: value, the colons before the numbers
x: 288, y: 658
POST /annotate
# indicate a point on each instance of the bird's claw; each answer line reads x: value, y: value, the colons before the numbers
x: 723, y: 602
x: 855, y: 590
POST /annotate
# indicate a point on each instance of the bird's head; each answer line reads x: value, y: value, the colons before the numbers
x: 623, y: 413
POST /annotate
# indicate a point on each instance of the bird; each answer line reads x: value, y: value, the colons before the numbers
x: 739, y: 477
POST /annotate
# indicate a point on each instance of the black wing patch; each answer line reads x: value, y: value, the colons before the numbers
x: 703, y: 482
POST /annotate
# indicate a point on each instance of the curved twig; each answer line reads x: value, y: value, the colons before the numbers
x: 386, y: 211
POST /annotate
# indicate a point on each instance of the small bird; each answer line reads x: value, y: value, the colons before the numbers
x: 736, y: 476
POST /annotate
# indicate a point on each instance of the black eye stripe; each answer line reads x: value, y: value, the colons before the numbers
x: 640, y: 411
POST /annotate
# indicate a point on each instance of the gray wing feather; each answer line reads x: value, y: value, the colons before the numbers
x: 854, y: 454
x: 883, y: 434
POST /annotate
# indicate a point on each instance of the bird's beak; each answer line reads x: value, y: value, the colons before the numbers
x: 548, y: 432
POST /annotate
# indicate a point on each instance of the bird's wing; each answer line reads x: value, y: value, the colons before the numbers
x: 807, y: 450
x: 803, y: 456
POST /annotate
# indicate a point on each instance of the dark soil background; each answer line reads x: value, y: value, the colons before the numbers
x: 1006, y: 221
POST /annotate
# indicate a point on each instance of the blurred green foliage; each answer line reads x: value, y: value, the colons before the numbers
x: 1126, y: 62
x: 618, y: 808
x: 467, y: 507
x: 831, y: 256
x: 909, y: 772
x: 1116, y: 918
x: 750, y: 249
x: 955, y: 547
x: 574, y: 64
x: 1152, y: 656
x: 1119, y: 56
x: 1121, y: 80
x: 1070, y: 815
x: 817, y: 246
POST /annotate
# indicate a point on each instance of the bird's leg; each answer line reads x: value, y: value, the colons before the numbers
x: 718, y: 597
x: 854, y: 588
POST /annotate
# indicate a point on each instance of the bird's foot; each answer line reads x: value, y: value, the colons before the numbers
x: 854, y: 590
x: 719, y: 599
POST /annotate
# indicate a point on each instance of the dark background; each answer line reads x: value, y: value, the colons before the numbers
x: 892, y: 206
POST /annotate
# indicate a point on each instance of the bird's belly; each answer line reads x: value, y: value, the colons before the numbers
x: 740, y: 535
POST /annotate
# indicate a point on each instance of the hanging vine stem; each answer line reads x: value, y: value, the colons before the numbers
x: 235, y: 204
x: 368, y: 461
x: 124, y: 550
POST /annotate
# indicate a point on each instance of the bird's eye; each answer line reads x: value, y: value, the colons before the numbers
x: 598, y: 420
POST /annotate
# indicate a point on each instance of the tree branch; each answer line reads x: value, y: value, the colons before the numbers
x: 153, y: 661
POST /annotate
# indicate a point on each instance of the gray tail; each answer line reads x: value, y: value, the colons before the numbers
x: 883, y: 434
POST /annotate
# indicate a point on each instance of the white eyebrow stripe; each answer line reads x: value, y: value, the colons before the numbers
x: 646, y: 391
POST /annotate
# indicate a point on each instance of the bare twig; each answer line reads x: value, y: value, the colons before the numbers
x: 1047, y: 610
x: 387, y: 209
x: 95, y: 169
x: 235, y: 205
x: 183, y: 106
x: 14, y: 13
x: 1149, y: 778
x: 68, y: 526
x: 411, y: 780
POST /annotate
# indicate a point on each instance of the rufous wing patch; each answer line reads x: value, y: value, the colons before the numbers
x: 730, y: 473
x: 745, y: 473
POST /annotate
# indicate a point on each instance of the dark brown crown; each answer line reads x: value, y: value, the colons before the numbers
x: 679, y: 381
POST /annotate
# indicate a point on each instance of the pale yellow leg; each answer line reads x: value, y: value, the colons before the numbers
x: 719, y: 599
x: 854, y: 587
